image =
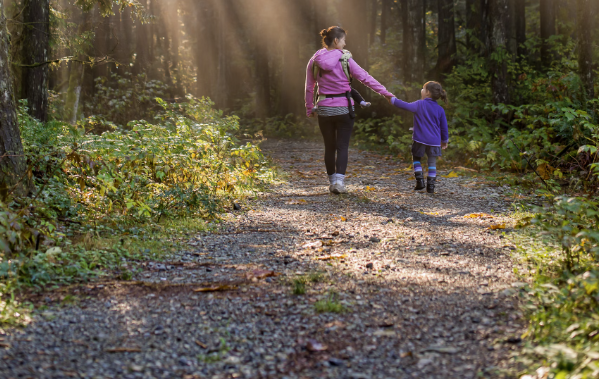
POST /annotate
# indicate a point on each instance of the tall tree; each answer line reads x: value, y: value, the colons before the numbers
x: 35, y: 48
x: 205, y: 50
x: 374, y: 11
x: 519, y: 12
x: 13, y: 164
x: 385, y: 19
x: 548, y: 29
x: 142, y: 42
x: 585, y: 45
x: 473, y: 23
x: 499, y: 35
x: 447, y: 42
x: 413, y: 42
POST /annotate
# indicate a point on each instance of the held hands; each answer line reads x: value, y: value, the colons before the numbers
x: 389, y: 99
x: 444, y: 145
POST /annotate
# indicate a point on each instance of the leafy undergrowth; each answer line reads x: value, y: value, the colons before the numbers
x: 102, y: 202
x: 560, y: 250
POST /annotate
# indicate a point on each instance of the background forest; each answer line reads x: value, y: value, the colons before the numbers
x: 128, y: 118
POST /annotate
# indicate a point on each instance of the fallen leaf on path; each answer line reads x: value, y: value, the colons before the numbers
x: 384, y: 333
x: 478, y: 215
x: 406, y: 354
x: 261, y: 274
x: 411, y: 178
x: 4, y: 344
x: 442, y: 349
x: 369, y: 188
x: 315, y: 346
x: 451, y: 175
x: 465, y: 169
x: 295, y: 202
x: 312, y: 245
x: 203, y: 346
x: 124, y: 350
x: 431, y: 213
x: 329, y: 257
x: 496, y: 227
x: 340, y: 218
x: 223, y: 287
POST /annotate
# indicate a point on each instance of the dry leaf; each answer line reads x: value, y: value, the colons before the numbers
x: 222, y: 287
x: 315, y: 346
x: 369, y: 188
x: 261, y: 274
x: 451, y: 175
x: 296, y: 202
x: 478, y: 215
x: 312, y: 245
x: 329, y: 257
x: 431, y: 213
x: 203, y: 346
x: 340, y: 218
x: 496, y: 226
x: 124, y: 350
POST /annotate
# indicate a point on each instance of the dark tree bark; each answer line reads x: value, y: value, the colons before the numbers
x: 585, y: 45
x: 205, y: 48
x: 13, y: 164
x: 101, y: 44
x: 499, y: 35
x: 263, y: 103
x: 352, y: 16
x: 374, y: 11
x: 548, y: 29
x: 447, y: 42
x: 36, y: 45
x: 385, y: 19
x: 142, y: 43
x: 292, y: 70
x: 224, y: 9
x: 126, y: 40
x: 520, y: 26
x: 413, y: 42
x: 473, y: 22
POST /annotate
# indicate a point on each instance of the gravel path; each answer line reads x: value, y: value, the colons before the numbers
x: 397, y: 285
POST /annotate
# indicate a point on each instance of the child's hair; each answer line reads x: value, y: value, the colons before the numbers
x: 329, y: 35
x: 437, y: 92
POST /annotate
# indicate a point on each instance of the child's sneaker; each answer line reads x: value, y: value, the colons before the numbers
x: 430, y: 184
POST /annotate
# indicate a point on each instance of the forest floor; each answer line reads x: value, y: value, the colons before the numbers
x: 397, y: 284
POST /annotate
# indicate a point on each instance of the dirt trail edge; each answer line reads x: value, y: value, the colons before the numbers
x: 395, y: 284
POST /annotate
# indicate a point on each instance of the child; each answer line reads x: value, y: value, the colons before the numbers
x: 430, y: 134
x: 356, y: 96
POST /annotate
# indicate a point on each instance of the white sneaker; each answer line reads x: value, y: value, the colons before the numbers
x: 339, y: 188
x: 332, y: 188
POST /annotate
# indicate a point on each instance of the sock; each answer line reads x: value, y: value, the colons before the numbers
x: 432, y: 172
x: 432, y: 166
x: 332, y: 179
x: 340, y: 178
x: 417, y: 166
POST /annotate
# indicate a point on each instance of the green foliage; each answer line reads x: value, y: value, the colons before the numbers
x: 121, y: 99
x: 330, y: 304
x: 562, y: 302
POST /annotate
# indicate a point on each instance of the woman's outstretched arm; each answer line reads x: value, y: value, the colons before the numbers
x: 364, y: 77
x: 310, y: 84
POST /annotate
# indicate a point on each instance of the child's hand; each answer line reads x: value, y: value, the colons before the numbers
x: 389, y: 99
x: 444, y: 145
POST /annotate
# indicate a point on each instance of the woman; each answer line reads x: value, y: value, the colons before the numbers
x: 335, y: 106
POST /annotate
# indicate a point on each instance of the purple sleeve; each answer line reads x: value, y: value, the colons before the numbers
x: 364, y: 77
x: 310, y: 84
x: 412, y: 107
x: 444, y: 128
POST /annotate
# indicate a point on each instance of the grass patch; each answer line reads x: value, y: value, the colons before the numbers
x: 300, y: 284
x: 330, y: 304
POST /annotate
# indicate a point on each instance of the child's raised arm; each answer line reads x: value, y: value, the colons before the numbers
x: 412, y: 107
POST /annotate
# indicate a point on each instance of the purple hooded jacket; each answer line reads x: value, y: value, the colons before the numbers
x: 333, y: 80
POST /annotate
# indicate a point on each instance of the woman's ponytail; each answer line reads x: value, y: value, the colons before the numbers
x: 329, y: 35
x: 437, y: 92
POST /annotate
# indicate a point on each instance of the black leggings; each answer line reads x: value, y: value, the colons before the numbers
x: 336, y: 131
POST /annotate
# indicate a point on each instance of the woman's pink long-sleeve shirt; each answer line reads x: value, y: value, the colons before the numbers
x: 333, y: 80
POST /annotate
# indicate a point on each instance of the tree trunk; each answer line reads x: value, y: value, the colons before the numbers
x: 36, y: 45
x: 221, y: 96
x: 520, y: 26
x: 263, y: 103
x: 473, y: 23
x: 142, y: 43
x: 205, y: 48
x: 548, y: 29
x: 385, y: 18
x: 374, y: 11
x: 13, y: 164
x: 76, y: 75
x: 125, y: 41
x: 499, y: 23
x: 585, y: 45
x: 447, y: 41
x: 413, y: 33
x: 352, y: 13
